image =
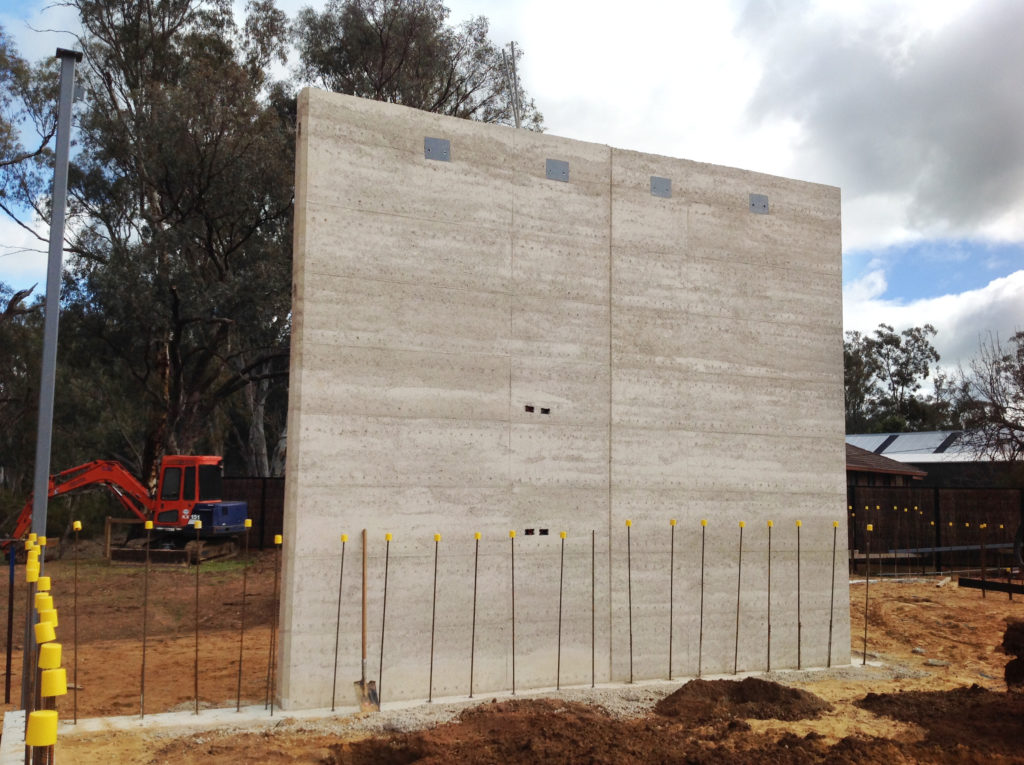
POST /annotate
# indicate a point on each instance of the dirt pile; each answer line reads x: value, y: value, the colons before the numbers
x: 752, y: 698
x: 1013, y: 644
x: 973, y: 719
x: 703, y: 720
x: 548, y: 730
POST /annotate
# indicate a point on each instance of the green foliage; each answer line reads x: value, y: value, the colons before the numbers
x: 176, y: 302
x: 883, y: 374
x: 404, y: 52
x: 27, y: 107
x: 182, y: 197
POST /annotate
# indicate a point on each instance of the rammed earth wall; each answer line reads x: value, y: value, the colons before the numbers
x: 485, y: 341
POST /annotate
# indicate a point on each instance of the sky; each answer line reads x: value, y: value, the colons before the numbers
x: 914, y: 108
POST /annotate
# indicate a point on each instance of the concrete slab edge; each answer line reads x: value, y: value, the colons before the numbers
x: 257, y: 717
x: 12, y: 745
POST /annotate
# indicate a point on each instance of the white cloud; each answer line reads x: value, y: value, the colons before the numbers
x: 924, y: 118
x: 960, y: 319
x: 22, y: 256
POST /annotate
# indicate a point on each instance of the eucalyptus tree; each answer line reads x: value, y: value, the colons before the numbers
x: 181, y: 201
x: 405, y: 52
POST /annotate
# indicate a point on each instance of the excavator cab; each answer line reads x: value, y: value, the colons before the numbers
x: 190, y: 489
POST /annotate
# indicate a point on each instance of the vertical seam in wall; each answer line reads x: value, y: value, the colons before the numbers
x: 511, y: 311
x: 610, y: 399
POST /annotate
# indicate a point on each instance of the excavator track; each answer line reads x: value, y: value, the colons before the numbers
x: 185, y: 556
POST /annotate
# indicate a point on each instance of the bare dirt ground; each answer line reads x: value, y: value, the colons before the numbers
x: 933, y: 690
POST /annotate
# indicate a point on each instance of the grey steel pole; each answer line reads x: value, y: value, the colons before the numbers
x: 47, y: 380
x: 44, y: 428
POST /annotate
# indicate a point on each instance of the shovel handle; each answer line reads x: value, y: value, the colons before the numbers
x: 364, y: 605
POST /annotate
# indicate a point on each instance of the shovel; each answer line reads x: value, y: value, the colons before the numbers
x: 366, y: 691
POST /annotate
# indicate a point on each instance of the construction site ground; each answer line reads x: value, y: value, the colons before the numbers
x: 932, y: 691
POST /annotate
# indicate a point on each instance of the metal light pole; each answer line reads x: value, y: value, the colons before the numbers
x: 44, y: 427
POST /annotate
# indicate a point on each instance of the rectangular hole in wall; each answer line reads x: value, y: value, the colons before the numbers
x: 528, y: 408
x: 545, y: 410
x: 529, y: 532
x: 543, y: 532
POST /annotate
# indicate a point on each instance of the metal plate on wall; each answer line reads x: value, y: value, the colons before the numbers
x: 759, y: 204
x: 437, y: 148
x: 661, y: 187
x: 557, y: 170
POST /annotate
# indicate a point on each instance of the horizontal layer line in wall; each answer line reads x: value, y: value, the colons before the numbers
x: 505, y: 293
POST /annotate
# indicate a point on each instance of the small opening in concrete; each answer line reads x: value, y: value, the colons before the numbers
x: 529, y: 532
x: 528, y: 408
x: 545, y: 410
x: 543, y: 532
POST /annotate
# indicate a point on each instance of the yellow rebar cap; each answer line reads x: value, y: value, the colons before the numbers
x: 672, y: 522
x: 49, y: 655
x: 43, y: 601
x: 771, y: 524
x: 32, y: 538
x: 197, y: 524
x: 344, y: 538
x: 835, y: 524
x: 77, y: 525
x: 45, y: 632
x: 511, y: 533
x: 703, y: 522
x: 248, y: 523
x: 148, y: 525
x: 41, y: 729
x: 278, y: 539
x: 54, y: 682
x: 476, y: 535
x: 41, y: 541
x: 799, y: 524
x: 742, y: 524
x: 49, y: 615
x: 561, y: 534
x: 628, y: 523
x: 871, y: 527
x: 43, y: 585
x: 437, y: 537
x: 32, y: 571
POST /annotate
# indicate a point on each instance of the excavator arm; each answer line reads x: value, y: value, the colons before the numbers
x: 109, y: 474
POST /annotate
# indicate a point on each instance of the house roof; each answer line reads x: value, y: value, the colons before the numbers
x: 863, y: 461
x: 930, y: 446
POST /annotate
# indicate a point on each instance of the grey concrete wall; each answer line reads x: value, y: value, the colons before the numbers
x: 689, y: 352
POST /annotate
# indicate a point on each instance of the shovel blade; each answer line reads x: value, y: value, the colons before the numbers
x: 366, y: 696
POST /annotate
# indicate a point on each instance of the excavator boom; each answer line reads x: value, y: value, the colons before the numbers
x: 107, y: 473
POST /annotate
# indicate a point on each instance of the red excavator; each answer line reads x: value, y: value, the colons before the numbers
x: 189, y: 489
